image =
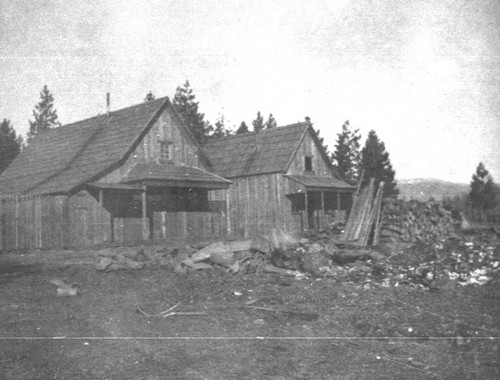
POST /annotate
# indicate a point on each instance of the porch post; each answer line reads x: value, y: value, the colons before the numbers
x: 145, y: 226
x: 338, y: 203
x: 112, y: 220
x: 307, y: 212
x: 101, y: 213
x: 323, y: 218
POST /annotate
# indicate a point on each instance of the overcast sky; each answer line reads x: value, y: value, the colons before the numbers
x: 425, y: 75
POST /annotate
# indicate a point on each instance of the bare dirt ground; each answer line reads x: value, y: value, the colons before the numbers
x: 253, y: 327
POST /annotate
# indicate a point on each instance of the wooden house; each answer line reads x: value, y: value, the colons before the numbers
x: 137, y: 174
x: 133, y: 174
x: 282, y: 177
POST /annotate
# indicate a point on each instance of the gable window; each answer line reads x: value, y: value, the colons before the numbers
x: 308, y: 164
x: 166, y: 150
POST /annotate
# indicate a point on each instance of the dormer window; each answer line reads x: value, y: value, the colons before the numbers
x: 308, y: 164
x: 166, y: 150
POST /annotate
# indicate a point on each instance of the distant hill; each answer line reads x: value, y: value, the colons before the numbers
x: 424, y: 188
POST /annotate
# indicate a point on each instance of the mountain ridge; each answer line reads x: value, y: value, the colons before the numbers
x: 423, y: 189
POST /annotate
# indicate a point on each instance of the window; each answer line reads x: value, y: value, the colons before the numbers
x: 166, y: 150
x: 308, y: 164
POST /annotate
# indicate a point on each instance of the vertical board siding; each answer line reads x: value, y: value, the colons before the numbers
x: 33, y: 222
x: 259, y: 203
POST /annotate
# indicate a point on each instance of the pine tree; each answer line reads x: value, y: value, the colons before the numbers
x: 44, y: 113
x: 10, y: 144
x: 347, y: 155
x: 184, y: 102
x: 482, y: 195
x: 243, y: 128
x: 375, y: 164
x: 271, y: 122
x: 219, y: 129
x: 149, y: 97
x: 258, y: 123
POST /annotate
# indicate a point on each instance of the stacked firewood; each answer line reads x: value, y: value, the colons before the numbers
x: 414, y: 221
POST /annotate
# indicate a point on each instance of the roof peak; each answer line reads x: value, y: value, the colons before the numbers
x: 105, y: 116
x: 267, y: 130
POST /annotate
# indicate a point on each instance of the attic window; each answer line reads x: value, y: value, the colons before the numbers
x: 308, y: 163
x: 166, y: 150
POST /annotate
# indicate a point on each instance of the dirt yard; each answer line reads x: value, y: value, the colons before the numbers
x: 246, y: 326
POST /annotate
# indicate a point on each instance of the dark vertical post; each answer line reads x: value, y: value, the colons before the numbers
x: 307, y: 212
x: 112, y: 220
x: 323, y: 207
x: 338, y: 203
x: 145, y: 227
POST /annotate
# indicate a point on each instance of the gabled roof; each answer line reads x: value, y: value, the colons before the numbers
x: 62, y: 159
x: 241, y: 155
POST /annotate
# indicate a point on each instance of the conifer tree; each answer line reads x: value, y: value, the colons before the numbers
x: 271, y: 122
x: 219, y: 129
x: 10, y: 144
x: 347, y: 153
x: 482, y: 195
x: 149, y: 97
x: 258, y: 123
x: 184, y: 102
x: 375, y: 164
x: 243, y: 128
x: 45, y: 114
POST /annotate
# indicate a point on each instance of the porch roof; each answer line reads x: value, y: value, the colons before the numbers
x: 158, y: 174
x: 312, y: 182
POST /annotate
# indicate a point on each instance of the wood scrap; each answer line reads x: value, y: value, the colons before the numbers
x: 302, y: 315
x: 168, y: 312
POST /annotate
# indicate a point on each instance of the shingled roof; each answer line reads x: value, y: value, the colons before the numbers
x: 241, y: 155
x: 62, y: 159
x: 175, y: 176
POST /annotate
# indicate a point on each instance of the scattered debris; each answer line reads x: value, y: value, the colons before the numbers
x: 64, y: 289
x: 113, y: 259
x: 306, y: 316
x: 169, y: 312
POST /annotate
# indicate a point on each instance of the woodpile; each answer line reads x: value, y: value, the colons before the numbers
x: 415, y: 222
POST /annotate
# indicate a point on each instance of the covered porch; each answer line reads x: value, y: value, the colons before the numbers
x: 319, y: 201
x: 151, y: 193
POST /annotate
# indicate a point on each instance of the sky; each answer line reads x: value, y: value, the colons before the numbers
x: 424, y: 74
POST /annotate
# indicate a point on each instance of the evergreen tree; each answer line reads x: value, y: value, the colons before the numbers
x: 258, y: 123
x: 44, y: 113
x: 184, y: 102
x: 219, y: 129
x: 243, y: 128
x: 271, y: 122
x: 10, y: 144
x: 482, y: 195
x: 347, y: 155
x: 375, y: 164
x: 149, y: 97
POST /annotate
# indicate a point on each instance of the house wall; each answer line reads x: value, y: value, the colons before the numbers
x: 184, y: 151
x: 310, y: 149
x: 258, y: 203
x: 33, y: 222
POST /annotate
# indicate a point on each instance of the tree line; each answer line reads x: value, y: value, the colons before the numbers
x: 354, y: 164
